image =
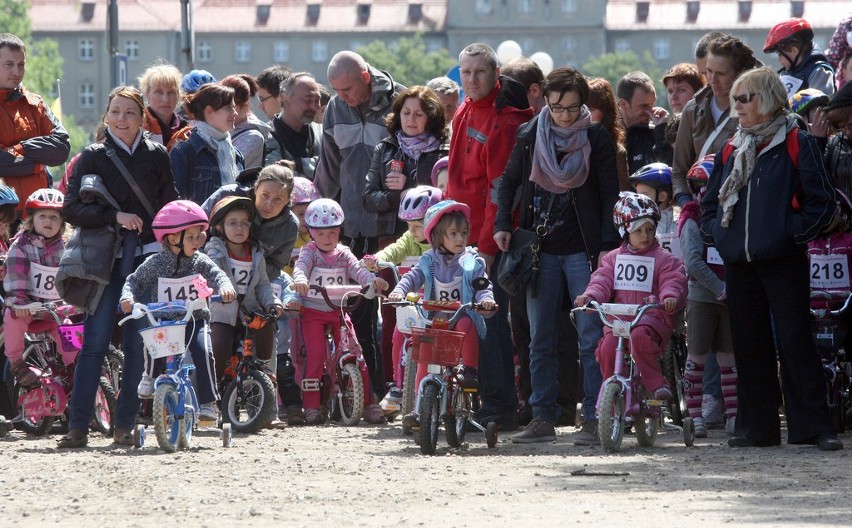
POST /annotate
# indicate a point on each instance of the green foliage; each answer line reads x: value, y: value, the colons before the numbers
x: 613, y: 66
x: 407, y: 60
x: 44, y: 66
x: 14, y: 18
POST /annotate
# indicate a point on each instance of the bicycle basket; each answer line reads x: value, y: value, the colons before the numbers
x: 407, y: 317
x: 71, y: 337
x: 436, y: 347
x: 166, y: 339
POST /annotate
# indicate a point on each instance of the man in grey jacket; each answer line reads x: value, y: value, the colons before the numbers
x: 295, y: 135
x: 353, y: 125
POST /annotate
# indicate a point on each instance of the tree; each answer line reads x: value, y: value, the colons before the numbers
x: 407, y: 60
x: 613, y: 66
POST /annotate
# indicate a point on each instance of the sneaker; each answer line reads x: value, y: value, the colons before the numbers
x: 538, y: 430
x: 209, y: 412
x: 524, y: 414
x: 663, y: 393
x: 145, y: 390
x: 392, y: 402
x: 23, y: 374
x: 411, y: 421
x: 713, y: 411
x: 588, y: 435
x: 373, y: 414
x: 730, y: 425
x: 469, y: 382
x: 295, y: 416
x: 700, y: 428
x: 314, y: 417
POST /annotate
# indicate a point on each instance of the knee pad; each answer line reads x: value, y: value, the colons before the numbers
x: 310, y: 385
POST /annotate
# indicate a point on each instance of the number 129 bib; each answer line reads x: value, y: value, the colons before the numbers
x: 634, y: 273
x: 241, y: 271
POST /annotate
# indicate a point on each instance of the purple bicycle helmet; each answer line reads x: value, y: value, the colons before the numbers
x: 178, y: 216
x: 304, y: 191
x: 440, y: 165
x: 416, y: 201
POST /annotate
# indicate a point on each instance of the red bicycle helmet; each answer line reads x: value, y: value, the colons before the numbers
x: 45, y: 199
x: 794, y: 28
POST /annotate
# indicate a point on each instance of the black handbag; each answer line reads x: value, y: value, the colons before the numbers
x: 519, y: 266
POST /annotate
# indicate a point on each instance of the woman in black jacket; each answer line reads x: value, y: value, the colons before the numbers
x: 148, y: 164
x: 565, y: 167
x: 417, y: 132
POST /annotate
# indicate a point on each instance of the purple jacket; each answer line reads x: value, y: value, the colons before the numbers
x: 26, y: 248
x: 311, y: 257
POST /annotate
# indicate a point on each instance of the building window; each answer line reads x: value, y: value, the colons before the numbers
x: 570, y: 43
x: 622, y: 46
x: 662, y: 48
x: 525, y: 6
x: 242, y: 51
x: 356, y: 45
x: 281, y: 51
x: 204, y: 52
x: 87, y: 95
x: 569, y: 6
x: 483, y: 7
x: 87, y: 49
x: 131, y: 49
x: 319, y: 51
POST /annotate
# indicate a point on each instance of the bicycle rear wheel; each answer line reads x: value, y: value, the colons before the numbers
x: 168, y: 427
x: 103, y: 420
x: 646, y: 425
x: 455, y: 425
x: 673, y: 362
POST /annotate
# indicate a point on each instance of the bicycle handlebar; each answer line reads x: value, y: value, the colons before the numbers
x: 456, y: 307
x: 637, y: 311
x: 830, y: 296
x: 366, y: 292
x: 140, y: 310
x: 52, y: 308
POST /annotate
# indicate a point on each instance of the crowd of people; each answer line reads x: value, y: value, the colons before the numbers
x: 718, y: 200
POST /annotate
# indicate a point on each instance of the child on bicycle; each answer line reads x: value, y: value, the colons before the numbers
x: 405, y: 252
x: 181, y: 227
x: 639, y: 269
x: 232, y: 248
x: 446, y: 273
x: 325, y: 261
x: 706, y: 311
x: 31, y: 265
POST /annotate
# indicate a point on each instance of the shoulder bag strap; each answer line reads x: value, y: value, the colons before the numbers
x: 131, y: 182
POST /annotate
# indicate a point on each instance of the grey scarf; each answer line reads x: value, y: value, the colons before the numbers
x: 571, y: 172
x: 220, y: 143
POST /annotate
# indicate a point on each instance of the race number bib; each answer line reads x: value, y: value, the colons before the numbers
x: 181, y: 289
x: 42, y: 282
x: 241, y: 272
x: 829, y: 272
x: 327, y: 278
x: 634, y: 273
x: 448, y: 291
x: 791, y: 84
x: 671, y: 243
x: 406, y: 264
x: 713, y: 257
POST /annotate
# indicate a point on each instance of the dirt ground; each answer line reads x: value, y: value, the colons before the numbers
x: 373, y: 476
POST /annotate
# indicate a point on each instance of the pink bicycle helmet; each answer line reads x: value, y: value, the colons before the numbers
x: 440, y: 165
x: 177, y: 216
x: 45, y: 199
x: 304, y: 191
x: 416, y: 201
x: 324, y: 213
x: 631, y: 207
x: 437, y: 211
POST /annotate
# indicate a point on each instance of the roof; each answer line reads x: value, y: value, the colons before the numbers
x: 721, y: 14
x: 240, y: 16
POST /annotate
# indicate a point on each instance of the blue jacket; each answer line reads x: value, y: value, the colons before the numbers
x: 765, y: 225
x: 196, y: 170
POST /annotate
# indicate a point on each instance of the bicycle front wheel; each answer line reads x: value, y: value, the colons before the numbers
x: 429, y: 418
x: 248, y: 402
x: 611, y: 419
x: 168, y: 427
x: 350, y: 400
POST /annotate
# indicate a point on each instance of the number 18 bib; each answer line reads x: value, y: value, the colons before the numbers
x: 42, y: 282
x: 634, y: 273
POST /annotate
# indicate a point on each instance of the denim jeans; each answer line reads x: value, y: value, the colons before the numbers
x: 543, y: 311
x: 97, y: 331
x: 712, y: 377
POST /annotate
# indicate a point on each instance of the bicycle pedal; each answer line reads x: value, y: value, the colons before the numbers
x: 470, y: 391
x: 655, y: 403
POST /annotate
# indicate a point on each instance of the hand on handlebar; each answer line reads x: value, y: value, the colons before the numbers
x: 227, y: 294
x: 276, y: 309
x: 380, y: 284
x: 581, y: 301
x: 21, y: 312
x: 127, y: 305
x: 369, y: 262
x: 670, y: 304
x: 394, y: 297
x: 488, y: 305
x: 301, y: 288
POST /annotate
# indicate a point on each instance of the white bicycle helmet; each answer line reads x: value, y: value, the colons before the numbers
x: 631, y: 207
x: 324, y: 213
x: 416, y: 201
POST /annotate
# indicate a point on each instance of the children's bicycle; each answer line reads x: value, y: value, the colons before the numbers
x: 830, y: 331
x: 441, y: 396
x: 250, y: 393
x: 175, y: 407
x: 42, y: 403
x: 623, y: 401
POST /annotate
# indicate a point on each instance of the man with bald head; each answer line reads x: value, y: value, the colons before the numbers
x: 353, y: 125
x: 297, y: 137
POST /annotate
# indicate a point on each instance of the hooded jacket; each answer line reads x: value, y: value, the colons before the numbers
x: 179, y: 129
x: 484, y: 134
x: 31, y: 138
x: 249, y: 137
x: 196, y: 169
x: 349, y: 137
x: 814, y: 71
x: 306, y: 160
x: 27, y: 248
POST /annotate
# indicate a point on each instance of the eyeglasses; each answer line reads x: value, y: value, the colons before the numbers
x: 744, y: 98
x: 574, y: 108
x: 264, y: 99
x: 238, y: 225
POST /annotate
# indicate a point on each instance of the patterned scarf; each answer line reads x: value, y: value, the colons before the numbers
x: 415, y: 146
x: 220, y: 143
x: 571, y: 172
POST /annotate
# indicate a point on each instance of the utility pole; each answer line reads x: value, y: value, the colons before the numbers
x: 112, y: 44
x: 187, y: 35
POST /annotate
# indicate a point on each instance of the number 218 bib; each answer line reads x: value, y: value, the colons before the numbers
x: 634, y: 273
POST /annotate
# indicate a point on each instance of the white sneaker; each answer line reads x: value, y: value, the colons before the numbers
x: 145, y: 390
x: 713, y: 411
x: 730, y: 425
x: 392, y: 401
x: 208, y: 412
x: 700, y: 428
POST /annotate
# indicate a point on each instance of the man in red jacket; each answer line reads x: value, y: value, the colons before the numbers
x: 31, y: 138
x: 484, y: 130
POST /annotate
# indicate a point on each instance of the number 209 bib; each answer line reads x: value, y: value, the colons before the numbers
x: 634, y: 273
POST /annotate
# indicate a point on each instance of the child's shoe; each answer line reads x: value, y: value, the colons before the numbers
x: 730, y: 425
x: 700, y: 428
x: 663, y: 393
x: 314, y: 417
x: 145, y: 390
x: 469, y: 382
x: 208, y: 412
x: 411, y: 421
x: 713, y: 411
x: 295, y: 416
x: 373, y: 414
x: 23, y: 375
x: 392, y: 402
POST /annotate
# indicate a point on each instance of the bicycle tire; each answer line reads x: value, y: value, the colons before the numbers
x: 349, y: 402
x: 672, y: 363
x: 409, y: 391
x: 646, y: 426
x: 113, y: 367
x: 429, y: 418
x: 455, y: 425
x: 248, y: 403
x: 611, y: 419
x: 33, y: 427
x: 167, y: 426
x: 190, y: 418
x: 103, y: 419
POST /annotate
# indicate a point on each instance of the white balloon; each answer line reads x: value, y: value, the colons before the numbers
x: 544, y: 61
x: 508, y: 50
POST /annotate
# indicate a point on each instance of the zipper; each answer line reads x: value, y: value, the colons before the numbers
x: 748, y: 214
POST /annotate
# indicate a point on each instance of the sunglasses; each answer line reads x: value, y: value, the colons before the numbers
x: 744, y: 98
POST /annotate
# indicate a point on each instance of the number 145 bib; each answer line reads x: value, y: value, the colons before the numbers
x: 634, y: 273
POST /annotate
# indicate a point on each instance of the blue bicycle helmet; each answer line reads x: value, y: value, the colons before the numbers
x: 194, y: 80
x: 657, y: 175
x: 8, y: 196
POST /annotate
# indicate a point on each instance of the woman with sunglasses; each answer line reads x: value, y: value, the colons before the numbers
x: 768, y: 195
x: 565, y: 167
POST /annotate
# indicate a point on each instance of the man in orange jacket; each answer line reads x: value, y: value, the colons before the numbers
x: 31, y: 138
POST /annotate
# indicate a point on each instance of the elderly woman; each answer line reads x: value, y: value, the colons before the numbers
x: 404, y: 159
x: 565, y: 167
x: 161, y: 85
x: 767, y: 196
x: 148, y: 164
x: 208, y: 159
x: 706, y: 122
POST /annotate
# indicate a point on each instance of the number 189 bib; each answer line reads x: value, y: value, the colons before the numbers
x: 634, y: 273
x: 42, y: 282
